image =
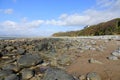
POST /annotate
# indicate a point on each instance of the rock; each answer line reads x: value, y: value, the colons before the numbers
x: 43, y: 69
x: 20, y: 51
x: 82, y: 77
x: 42, y: 46
x: 12, y: 77
x: 92, y: 48
x: 9, y: 48
x: 64, y: 60
x: 12, y: 67
x: 27, y: 74
x: 95, y: 61
x: 116, y: 53
x: 113, y: 58
x: 5, y: 73
x: 29, y: 60
x: 1, y: 55
x: 57, y: 74
x: 36, y: 78
x: 93, y: 76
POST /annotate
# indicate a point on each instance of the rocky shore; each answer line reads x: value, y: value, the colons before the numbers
x: 56, y: 58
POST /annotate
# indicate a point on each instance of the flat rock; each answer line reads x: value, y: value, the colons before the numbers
x: 29, y: 60
x: 113, y: 58
x: 57, y: 74
x: 116, y: 53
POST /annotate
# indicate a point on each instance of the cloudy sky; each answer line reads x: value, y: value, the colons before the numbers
x: 45, y: 17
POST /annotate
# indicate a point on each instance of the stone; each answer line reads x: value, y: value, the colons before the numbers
x: 82, y: 77
x: 27, y: 73
x: 116, y: 53
x: 92, y: 48
x: 29, y: 60
x: 4, y: 73
x: 93, y: 76
x: 57, y: 74
x: 12, y: 77
x: 95, y: 61
x: 36, y: 78
x: 113, y: 58
x: 64, y: 60
x: 9, y: 48
x: 20, y: 51
x: 13, y: 67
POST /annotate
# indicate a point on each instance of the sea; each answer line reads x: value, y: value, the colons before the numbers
x: 7, y: 38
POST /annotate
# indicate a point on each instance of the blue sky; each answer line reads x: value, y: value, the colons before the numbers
x: 45, y: 17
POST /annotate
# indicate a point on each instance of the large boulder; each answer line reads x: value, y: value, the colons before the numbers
x: 56, y: 74
x: 29, y: 60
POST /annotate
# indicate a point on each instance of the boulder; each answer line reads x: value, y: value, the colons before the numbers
x: 29, y: 60
x: 57, y: 74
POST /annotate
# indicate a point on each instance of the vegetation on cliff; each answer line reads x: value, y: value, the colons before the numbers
x: 111, y: 27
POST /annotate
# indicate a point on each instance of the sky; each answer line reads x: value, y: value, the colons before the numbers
x: 44, y: 17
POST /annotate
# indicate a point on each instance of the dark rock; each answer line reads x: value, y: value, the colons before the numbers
x: 12, y: 77
x: 29, y: 60
x: 57, y: 74
x: 1, y: 55
x: 4, y: 73
x: 27, y: 74
x: 13, y: 67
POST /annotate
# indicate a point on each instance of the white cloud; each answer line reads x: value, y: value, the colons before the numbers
x: 35, y: 23
x: 105, y: 3
x: 9, y: 24
x: 8, y: 11
x: 104, y: 10
x: 21, y: 28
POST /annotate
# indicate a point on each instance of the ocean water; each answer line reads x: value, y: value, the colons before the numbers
x: 6, y: 38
